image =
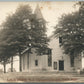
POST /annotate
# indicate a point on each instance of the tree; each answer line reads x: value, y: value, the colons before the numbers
x: 5, y: 55
x: 71, y: 29
x: 22, y: 29
x: 16, y: 34
x: 38, y: 35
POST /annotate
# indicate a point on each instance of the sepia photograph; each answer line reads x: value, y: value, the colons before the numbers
x: 42, y: 42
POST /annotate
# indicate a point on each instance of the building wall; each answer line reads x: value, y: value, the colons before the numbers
x: 78, y: 63
x: 57, y: 54
x: 24, y: 61
x: 42, y: 62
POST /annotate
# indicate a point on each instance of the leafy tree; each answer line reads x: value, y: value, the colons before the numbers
x: 5, y: 54
x: 39, y: 36
x: 71, y: 29
x: 16, y: 35
x: 22, y: 29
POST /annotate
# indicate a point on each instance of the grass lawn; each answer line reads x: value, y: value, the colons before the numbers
x: 26, y: 77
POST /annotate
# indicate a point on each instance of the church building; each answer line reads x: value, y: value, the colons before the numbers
x: 61, y: 61
x: 56, y: 60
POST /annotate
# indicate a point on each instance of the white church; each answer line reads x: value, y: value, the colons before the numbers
x: 56, y: 60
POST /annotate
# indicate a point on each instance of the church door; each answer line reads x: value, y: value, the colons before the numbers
x: 61, y: 65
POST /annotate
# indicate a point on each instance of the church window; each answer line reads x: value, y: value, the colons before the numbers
x: 49, y: 58
x: 72, y: 61
x: 36, y: 62
x: 55, y: 65
x: 60, y: 39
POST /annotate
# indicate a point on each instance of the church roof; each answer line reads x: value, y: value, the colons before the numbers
x: 25, y: 50
x: 38, y: 13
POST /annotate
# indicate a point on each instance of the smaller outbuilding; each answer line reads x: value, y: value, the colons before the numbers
x: 32, y: 62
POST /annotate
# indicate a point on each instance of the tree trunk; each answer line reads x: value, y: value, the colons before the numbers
x: 28, y: 60
x: 12, y: 64
x: 4, y: 67
x: 20, y: 62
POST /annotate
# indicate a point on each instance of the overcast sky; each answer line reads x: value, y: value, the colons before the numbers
x: 51, y: 11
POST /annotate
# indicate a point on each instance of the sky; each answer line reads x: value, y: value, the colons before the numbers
x: 51, y: 12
